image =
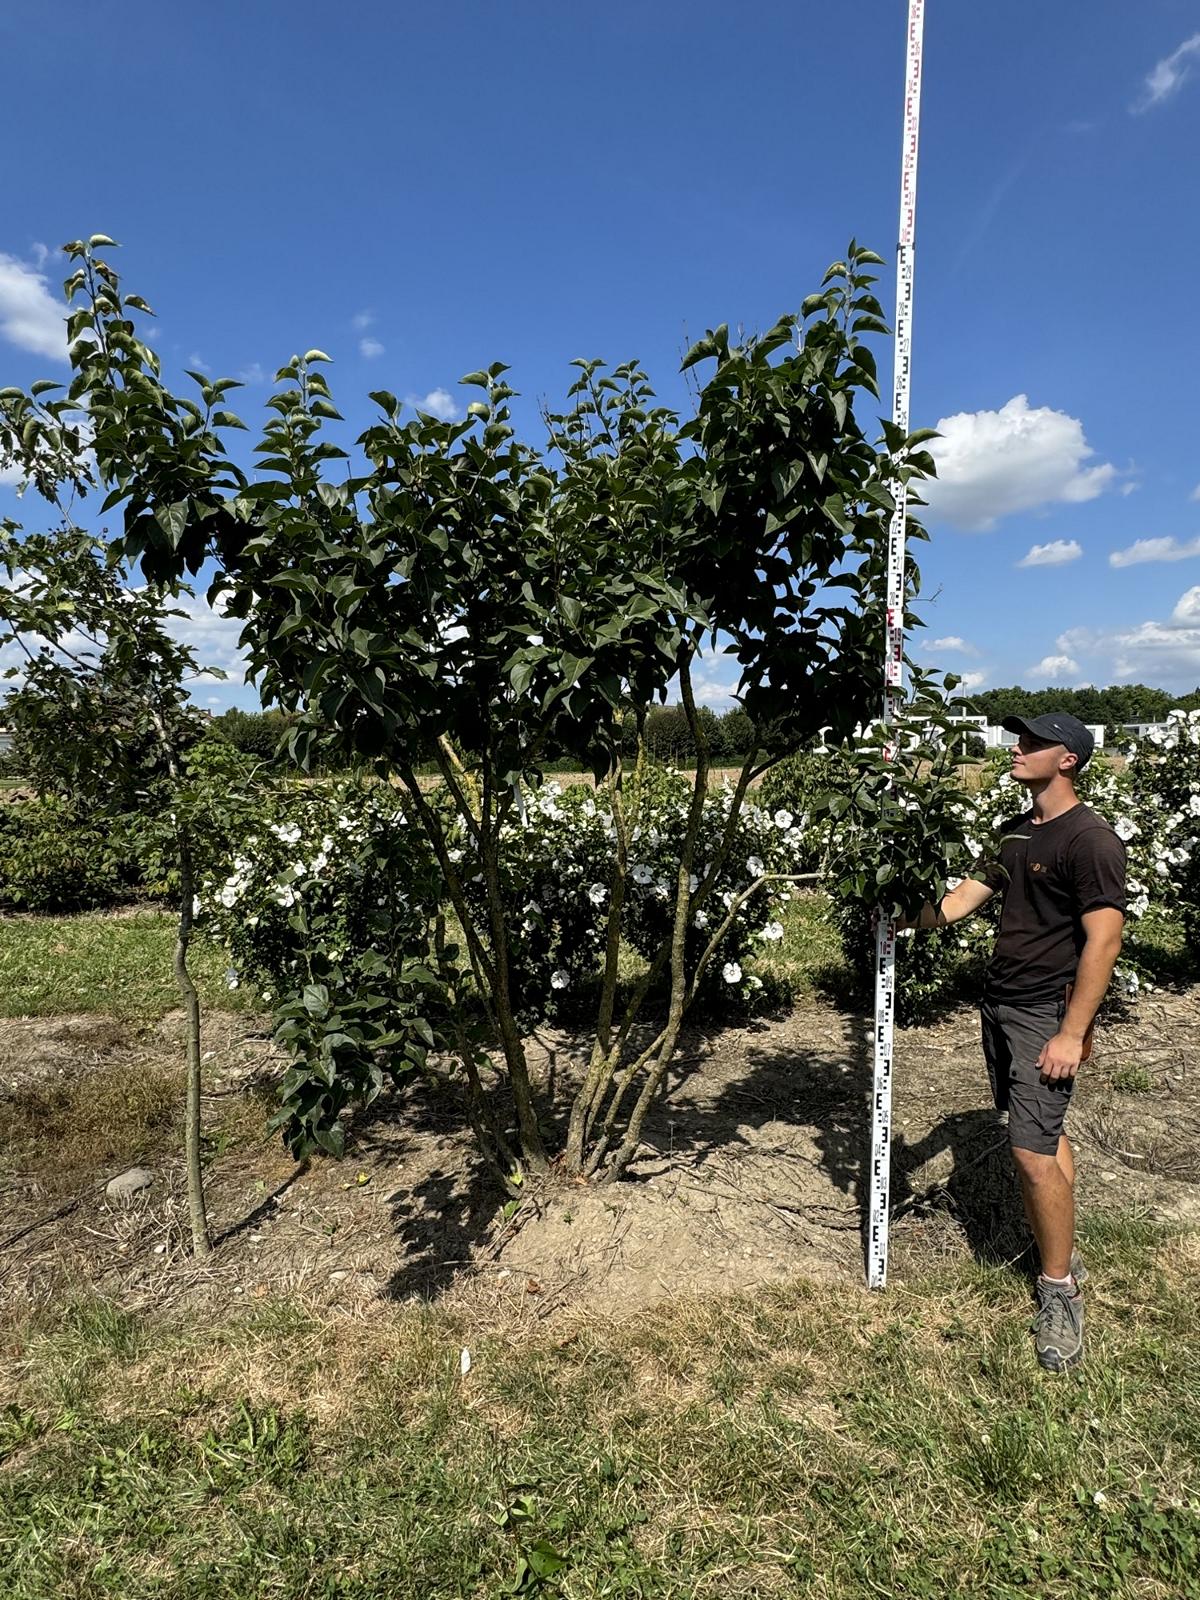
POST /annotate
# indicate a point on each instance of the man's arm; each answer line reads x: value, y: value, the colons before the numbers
x: 1102, y: 946
x: 961, y: 902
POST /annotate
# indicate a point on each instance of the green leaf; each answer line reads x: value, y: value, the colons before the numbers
x: 574, y: 666
x: 478, y: 380
x: 544, y: 1560
x: 98, y: 241
x: 173, y: 520
x: 316, y: 999
x: 316, y: 355
x: 332, y: 1140
x: 385, y: 400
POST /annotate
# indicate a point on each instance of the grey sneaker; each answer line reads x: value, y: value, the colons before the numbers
x: 1058, y: 1327
x: 1078, y: 1271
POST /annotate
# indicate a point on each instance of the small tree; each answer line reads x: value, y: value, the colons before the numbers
x: 102, y: 715
x: 496, y: 603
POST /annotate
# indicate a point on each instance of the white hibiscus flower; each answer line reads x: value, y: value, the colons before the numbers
x: 783, y: 820
x: 559, y: 979
x: 731, y: 972
x: 597, y: 894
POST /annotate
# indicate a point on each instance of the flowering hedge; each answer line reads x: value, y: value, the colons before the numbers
x: 557, y: 871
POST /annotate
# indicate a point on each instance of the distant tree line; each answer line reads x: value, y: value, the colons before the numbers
x: 262, y: 734
x: 1108, y: 708
x: 668, y: 737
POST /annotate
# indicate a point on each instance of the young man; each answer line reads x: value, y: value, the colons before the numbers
x: 1061, y: 871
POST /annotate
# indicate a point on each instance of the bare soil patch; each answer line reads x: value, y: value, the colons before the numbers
x: 755, y: 1168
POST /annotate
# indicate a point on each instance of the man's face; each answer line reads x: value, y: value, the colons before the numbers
x: 1039, y: 760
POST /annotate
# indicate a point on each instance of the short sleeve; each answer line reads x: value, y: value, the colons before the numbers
x: 1098, y: 870
x: 989, y: 871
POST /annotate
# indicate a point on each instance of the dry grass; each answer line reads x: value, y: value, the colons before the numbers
x: 799, y: 1441
x: 59, y: 1133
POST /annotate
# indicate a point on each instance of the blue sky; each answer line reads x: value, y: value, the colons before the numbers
x: 420, y: 189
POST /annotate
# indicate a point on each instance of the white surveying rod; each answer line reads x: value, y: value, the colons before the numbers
x: 893, y: 671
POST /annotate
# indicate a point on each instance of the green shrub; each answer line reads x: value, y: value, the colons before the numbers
x: 935, y: 971
x: 328, y: 909
x: 795, y: 785
x: 557, y: 871
x: 56, y: 856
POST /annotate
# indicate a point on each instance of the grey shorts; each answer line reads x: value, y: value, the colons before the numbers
x: 1013, y: 1037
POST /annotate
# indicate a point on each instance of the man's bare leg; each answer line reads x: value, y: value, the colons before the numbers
x: 1049, y: 1196
x: 1066, y: 1159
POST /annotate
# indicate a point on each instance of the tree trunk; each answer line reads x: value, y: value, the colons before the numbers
x: 532, y: 1148
x: 679, y: 986
x: 201, y: 1243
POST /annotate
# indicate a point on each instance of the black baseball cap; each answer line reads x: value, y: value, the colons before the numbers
x: 1059, y: 727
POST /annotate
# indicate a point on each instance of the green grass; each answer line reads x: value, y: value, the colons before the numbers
x: 801, y: 1442
x: 810, y: 947
x: 98, y: 961
x: 1160, y: 943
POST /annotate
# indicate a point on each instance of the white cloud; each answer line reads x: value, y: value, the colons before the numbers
x: 30, y: 316
x: 362, y: 320
x: 438, y: 402
x: 1187, y: 609
x: 41, y: 254
x: 254, y: 373
x: 952, y: 641
x: 971, y: 680
x: 1195, y: 494
x: 197, y: 362
x: 370, y: 348
x: 1052, y: 671
x: 714, y: 680
x: 213, y: 638
x: 1130, y: 488
x: 1054, y: 554
x: 992, y: 464
x: 1168, y: 549
x: 1167, y: 76
x: 1160, y: 652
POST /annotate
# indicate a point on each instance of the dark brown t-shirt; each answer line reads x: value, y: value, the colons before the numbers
x: 1049, y: 874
